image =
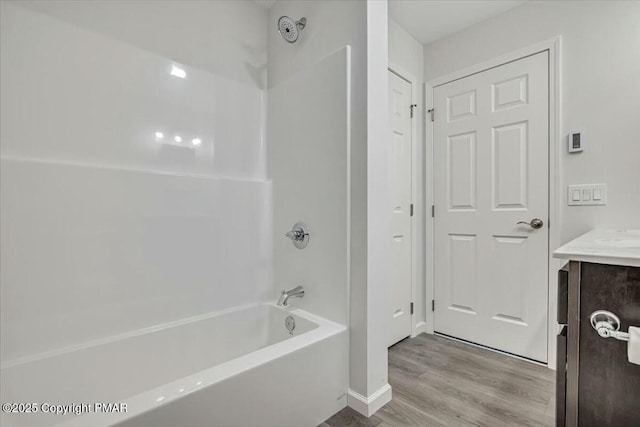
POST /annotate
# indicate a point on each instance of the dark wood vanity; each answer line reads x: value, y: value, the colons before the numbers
x: 597, y: 386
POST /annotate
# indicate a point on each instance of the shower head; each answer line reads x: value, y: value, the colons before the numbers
x: 289, y: 29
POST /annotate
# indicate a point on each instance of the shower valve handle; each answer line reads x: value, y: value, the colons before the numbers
x: 299, y: 235
x: 296, y: 235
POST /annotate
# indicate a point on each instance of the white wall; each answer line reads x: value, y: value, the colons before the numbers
x: 407, y: 53
x: 600, y: 93
x: 378, y: 203
x: 105, y: 229
x: 330, y: 27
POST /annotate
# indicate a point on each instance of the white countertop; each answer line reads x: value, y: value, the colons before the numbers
x: 617, y: 247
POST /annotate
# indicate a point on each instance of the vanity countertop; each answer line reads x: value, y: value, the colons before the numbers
x: 604, y: 246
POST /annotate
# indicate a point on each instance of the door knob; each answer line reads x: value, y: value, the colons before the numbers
x: 535, y: 223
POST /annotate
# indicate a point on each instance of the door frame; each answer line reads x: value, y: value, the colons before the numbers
x: 552, y: 46
x: 410, y: 78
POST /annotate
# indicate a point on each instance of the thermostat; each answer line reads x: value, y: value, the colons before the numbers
x: 576, y: 142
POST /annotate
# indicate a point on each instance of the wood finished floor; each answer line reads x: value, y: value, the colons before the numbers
x: 441, y: 382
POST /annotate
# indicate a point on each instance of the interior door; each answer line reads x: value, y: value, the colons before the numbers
x: 491, y: 143
x: 400, y: 288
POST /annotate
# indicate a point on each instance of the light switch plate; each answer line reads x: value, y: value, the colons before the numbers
x: 587, y: 195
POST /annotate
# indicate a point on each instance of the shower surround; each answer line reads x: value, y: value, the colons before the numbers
x: 113, y: 219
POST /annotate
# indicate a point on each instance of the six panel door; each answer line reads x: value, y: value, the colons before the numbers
x: 491, y: 139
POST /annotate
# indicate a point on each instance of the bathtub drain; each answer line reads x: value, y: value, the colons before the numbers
x: 290, y: 323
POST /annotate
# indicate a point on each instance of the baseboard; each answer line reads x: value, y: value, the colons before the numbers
x: 367, y: 406
x: 421, y: 327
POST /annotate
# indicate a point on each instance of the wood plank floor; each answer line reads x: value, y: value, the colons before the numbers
x: 441, y: 382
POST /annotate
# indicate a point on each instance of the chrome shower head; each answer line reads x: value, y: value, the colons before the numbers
x: 289, y: 29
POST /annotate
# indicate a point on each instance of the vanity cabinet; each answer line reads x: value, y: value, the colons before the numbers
x: 602, y: 387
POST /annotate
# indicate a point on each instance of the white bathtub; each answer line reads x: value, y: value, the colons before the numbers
x: 239, y: 368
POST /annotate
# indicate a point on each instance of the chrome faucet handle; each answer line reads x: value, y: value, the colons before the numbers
x: 295, y: 235
x: 299, y: 235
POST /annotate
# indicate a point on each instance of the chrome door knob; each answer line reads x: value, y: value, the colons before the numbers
x: 535, y: 223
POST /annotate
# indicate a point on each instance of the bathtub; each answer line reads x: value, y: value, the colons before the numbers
x: 241, y: 367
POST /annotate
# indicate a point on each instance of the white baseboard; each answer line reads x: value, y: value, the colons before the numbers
x: 367, y: 406
x: 421, y: 327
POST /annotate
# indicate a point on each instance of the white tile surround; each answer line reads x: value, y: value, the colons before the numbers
x: 104, y: 227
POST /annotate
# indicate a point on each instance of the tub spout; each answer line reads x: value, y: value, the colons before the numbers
x: 297, y: 292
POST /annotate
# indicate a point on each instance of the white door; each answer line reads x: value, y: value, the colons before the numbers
x: 491, y: 144
x: 400, y: 287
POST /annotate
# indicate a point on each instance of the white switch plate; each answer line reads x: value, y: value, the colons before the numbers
x: 588, y: 195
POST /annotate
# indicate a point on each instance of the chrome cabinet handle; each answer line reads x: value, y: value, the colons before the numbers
x: 607, y: 325
x: 535, y: 223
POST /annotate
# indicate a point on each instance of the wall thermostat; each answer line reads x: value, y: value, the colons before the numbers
x: 576, y: 142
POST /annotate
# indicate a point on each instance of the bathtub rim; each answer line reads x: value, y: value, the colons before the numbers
x: 23, y: 360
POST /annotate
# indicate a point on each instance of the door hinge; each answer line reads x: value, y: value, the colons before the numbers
x: 411, y: 210
x: 411, y: 308
x: 412, y: 107
x: 433, y: 305
x: 432, y: 112
x: 433, y: 211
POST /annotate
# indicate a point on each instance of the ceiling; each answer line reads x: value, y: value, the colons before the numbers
x: 265, y: 3
x: 430, y: 20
